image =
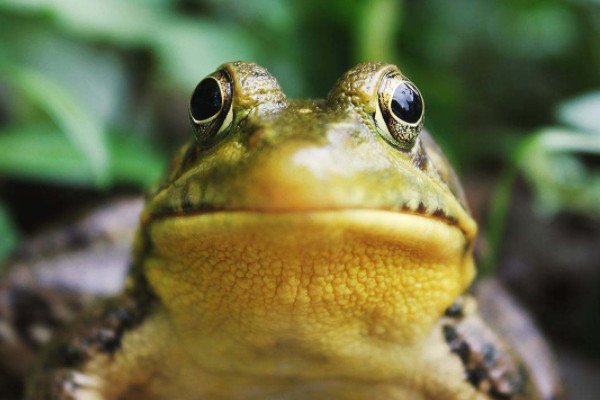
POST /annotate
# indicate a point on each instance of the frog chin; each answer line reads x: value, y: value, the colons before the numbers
x: 314, y: 276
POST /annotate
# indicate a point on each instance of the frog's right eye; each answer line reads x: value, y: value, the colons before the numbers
x: 210, y: 106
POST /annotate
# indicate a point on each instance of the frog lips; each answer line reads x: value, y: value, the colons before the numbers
x: 421, y: 210
x: 167, y: 204
x: 468, y: 228
x: 373, y: 226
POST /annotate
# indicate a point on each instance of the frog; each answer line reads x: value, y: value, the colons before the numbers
x: 296, y: 249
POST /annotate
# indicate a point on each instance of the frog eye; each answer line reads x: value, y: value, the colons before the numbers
x: 400, y: 110
x: 210, y: 106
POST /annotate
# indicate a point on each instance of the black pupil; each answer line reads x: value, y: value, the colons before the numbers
x: 206, y: 100
x: 406, y: 103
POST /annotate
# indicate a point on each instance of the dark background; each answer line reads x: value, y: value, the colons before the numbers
x: 93, y: 98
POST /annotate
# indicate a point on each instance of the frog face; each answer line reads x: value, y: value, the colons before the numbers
x: 363, y: 147
x: 293, y: 214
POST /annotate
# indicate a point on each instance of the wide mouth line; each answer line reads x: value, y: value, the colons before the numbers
x: 421, y: 211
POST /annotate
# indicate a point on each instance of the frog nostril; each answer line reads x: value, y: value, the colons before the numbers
x: 255, y: 137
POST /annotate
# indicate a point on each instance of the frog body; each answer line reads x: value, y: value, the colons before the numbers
x: 296, y: 250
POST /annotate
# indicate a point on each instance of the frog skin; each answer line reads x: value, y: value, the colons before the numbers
x: 298, y: 250
x: 57, y: 274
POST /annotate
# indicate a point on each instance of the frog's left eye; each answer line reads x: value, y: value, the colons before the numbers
x: 400, y: 110
x: 210, y: 106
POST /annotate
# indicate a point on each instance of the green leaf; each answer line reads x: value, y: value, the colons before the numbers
x: 124, y: 22
x: 582, y: 112
x: 134, y: 161
x: 189, y: 49
x: 549, y: 161
x: 43, y: 153
x: 552, y: 164
x: 185, y: 48
x: 96, y: 76
x: 8, y: 233
x: 81, y: 127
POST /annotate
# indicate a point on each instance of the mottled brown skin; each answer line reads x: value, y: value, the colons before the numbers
x: 57, y: 274
x: 505, y: 316
x: 297, y: 250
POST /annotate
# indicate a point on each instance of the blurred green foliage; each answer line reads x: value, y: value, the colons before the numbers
x: 554, y: 162
x: 7, y: 233
x: 94, y: 93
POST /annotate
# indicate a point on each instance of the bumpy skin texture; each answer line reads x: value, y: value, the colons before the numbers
x: 298, y: 254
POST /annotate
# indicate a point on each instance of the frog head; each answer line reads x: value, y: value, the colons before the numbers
x: 311, y: 220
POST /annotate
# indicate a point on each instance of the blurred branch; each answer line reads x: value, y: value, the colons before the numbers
x: 377, y: 28
x: 550, y: 161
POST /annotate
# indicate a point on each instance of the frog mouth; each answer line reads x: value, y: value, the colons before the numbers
x: 430, y: 233
x: 467, y: 227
